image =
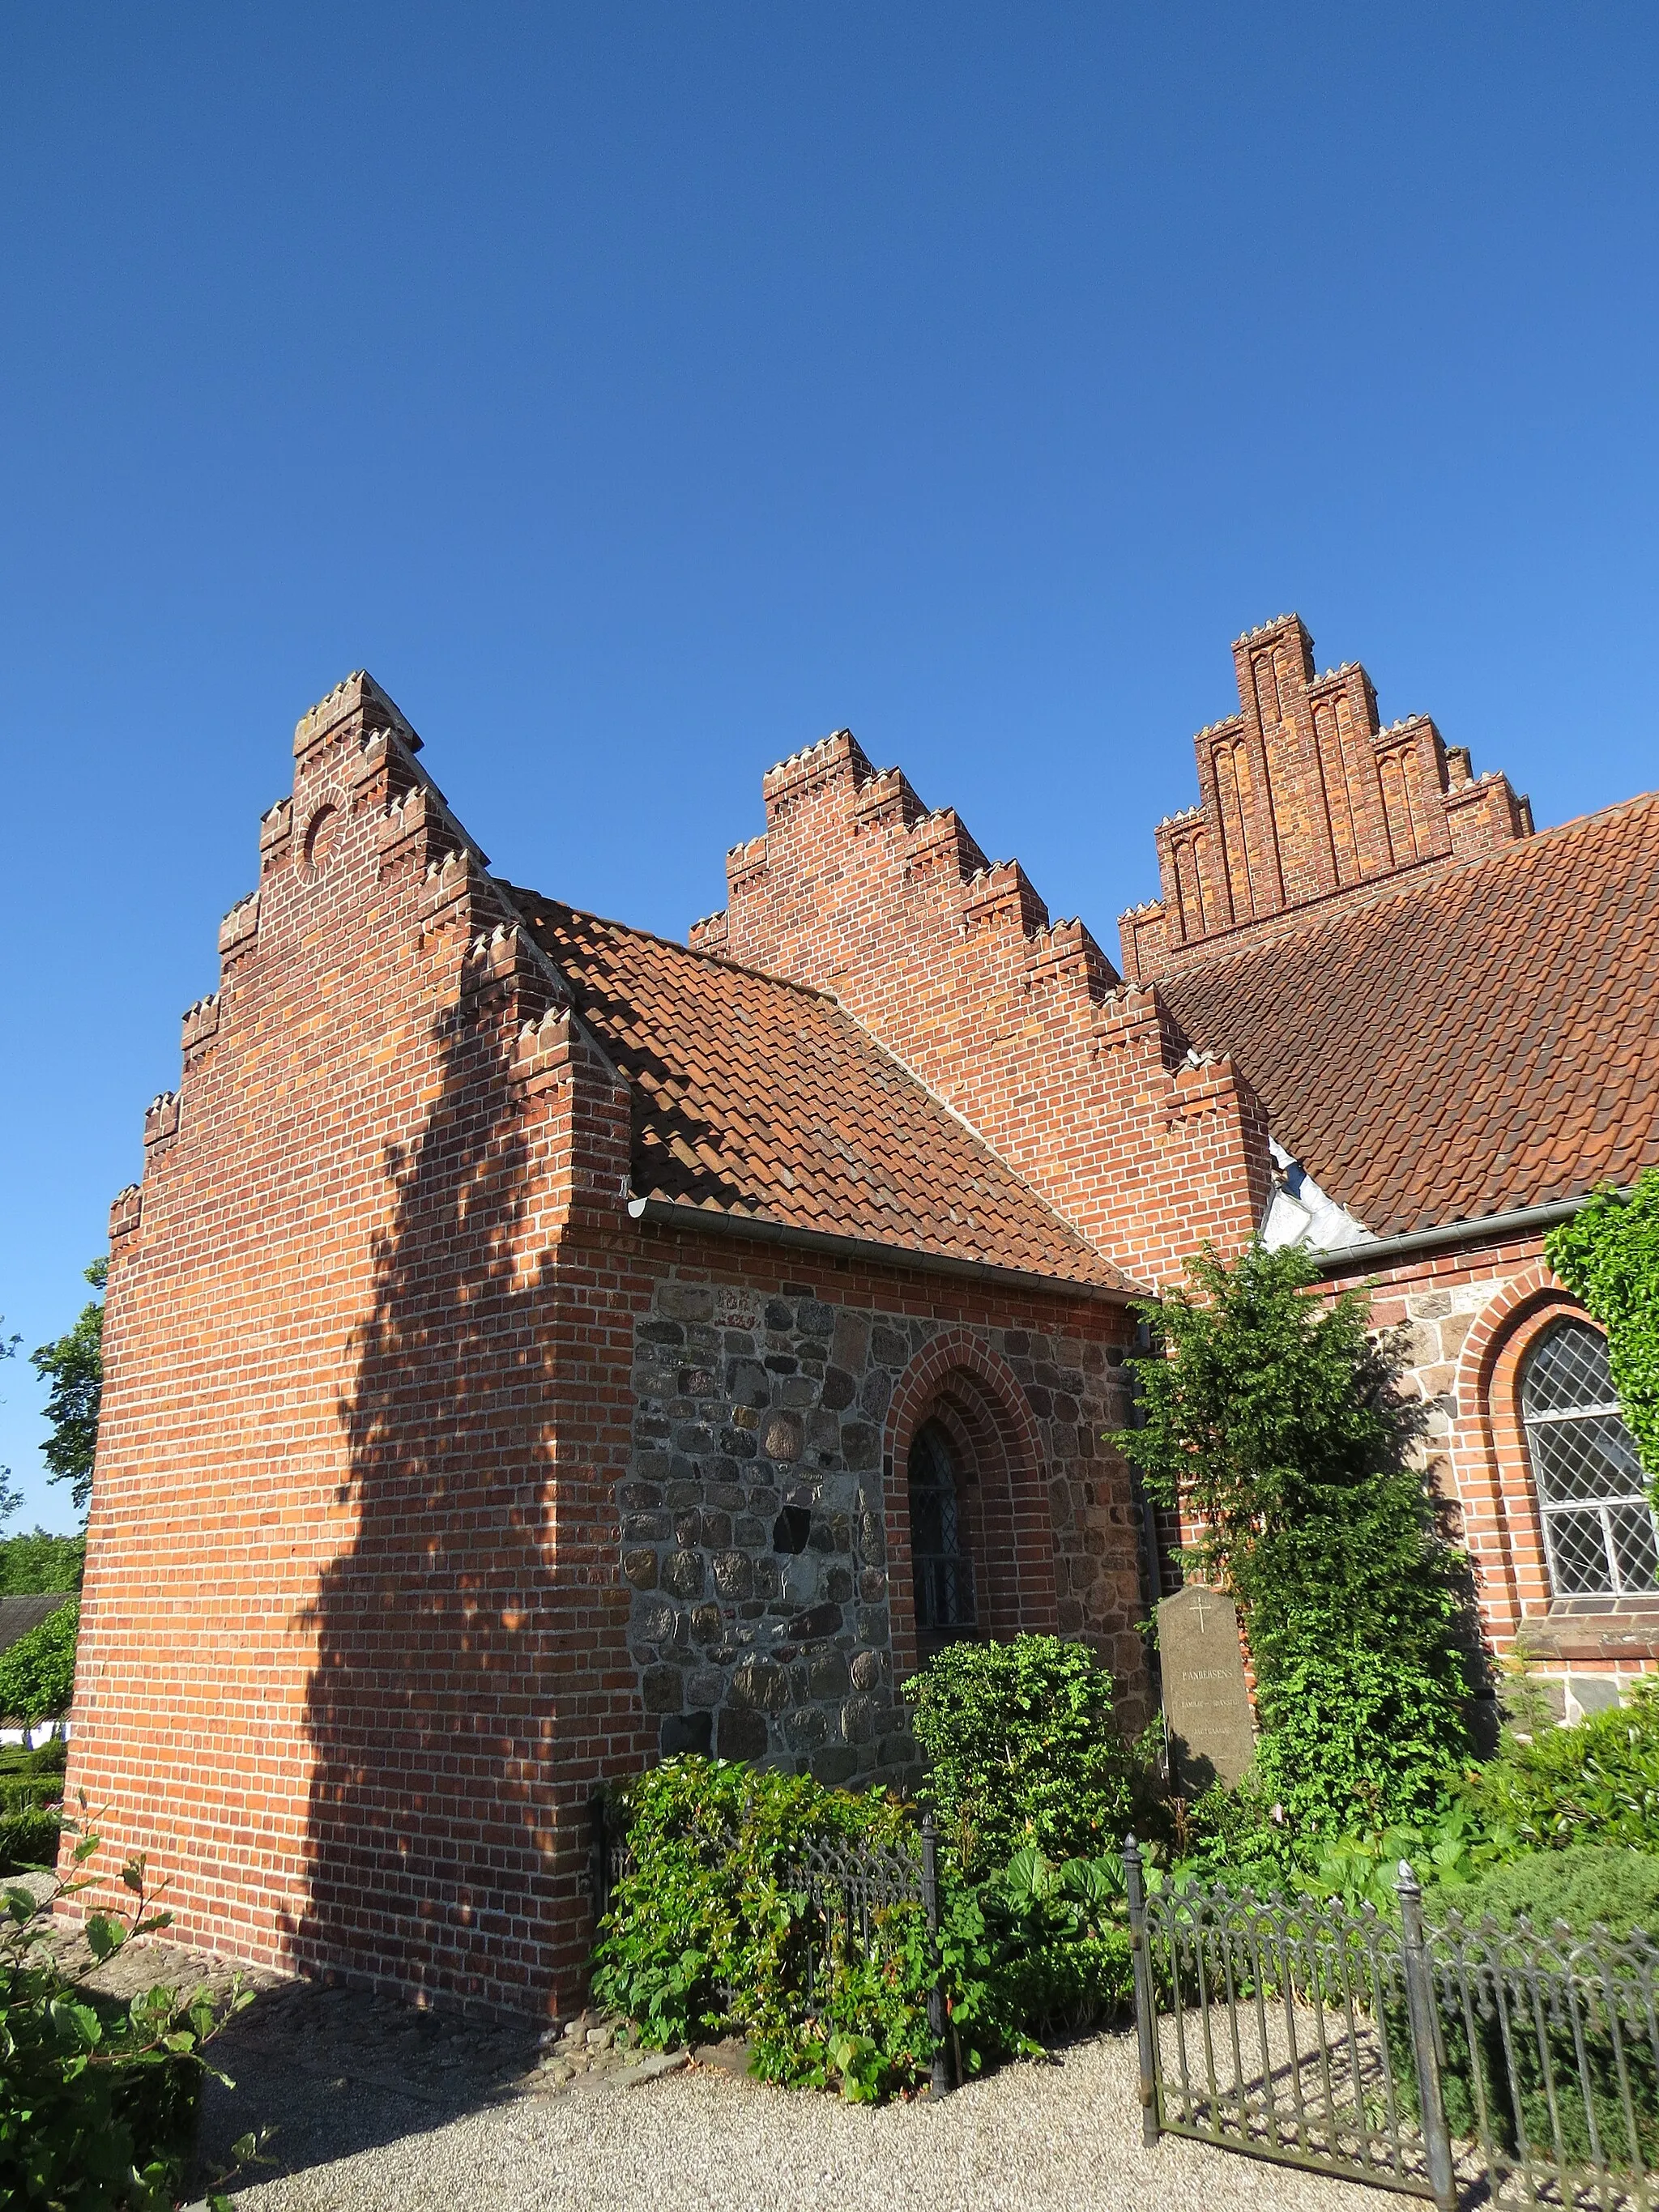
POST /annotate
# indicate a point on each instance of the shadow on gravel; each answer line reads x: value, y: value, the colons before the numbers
x: 329, y: 2072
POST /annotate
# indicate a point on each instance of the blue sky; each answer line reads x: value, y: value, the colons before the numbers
x: 641, y: 393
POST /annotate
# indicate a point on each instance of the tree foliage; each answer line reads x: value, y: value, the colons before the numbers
x: 36, y: 1673
x: 1273, y: 1418
x: 74, y: 1363
x: 10, y: 1499
x: 41, y: 1562
x: 1608, y: 1255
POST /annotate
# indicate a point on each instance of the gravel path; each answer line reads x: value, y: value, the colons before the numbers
x: 372, y: 2107
x: 1061, y: 2137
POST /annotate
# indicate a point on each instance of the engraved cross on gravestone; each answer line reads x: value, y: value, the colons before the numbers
x: 1205, y: 1701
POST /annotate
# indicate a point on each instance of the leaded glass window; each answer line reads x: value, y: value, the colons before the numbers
x: 1598, y: 1526
x: 940, y: 1561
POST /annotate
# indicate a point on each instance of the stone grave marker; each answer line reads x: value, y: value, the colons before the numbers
x: 1205, y: 1704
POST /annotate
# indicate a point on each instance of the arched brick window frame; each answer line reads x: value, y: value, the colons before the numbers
x: 1491, y: 1465
x: 960, y: 1382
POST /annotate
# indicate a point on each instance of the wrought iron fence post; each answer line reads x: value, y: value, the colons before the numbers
x: 1425, y: 2055
x: 941, y: 2079
x: 1145, y: 2026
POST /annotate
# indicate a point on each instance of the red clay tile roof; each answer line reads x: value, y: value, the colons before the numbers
x: 759, y: 1097
x: 1486, y: 1040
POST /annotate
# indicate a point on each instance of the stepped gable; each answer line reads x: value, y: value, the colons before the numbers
x: 1483, y: 1039
x: 761, y: 1098
x: 1085, y: 1089
x: 1304, y: 796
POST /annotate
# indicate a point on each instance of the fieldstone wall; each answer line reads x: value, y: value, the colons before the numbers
x: 753, y: 1532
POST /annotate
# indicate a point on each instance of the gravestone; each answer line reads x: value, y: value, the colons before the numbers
x: 1206, y: 1704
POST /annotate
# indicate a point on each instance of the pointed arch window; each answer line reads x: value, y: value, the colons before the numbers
x: 1599, y: 1529
x: 940, y: 1559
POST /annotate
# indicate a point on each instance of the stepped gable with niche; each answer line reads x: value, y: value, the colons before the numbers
x: 1303, y: 795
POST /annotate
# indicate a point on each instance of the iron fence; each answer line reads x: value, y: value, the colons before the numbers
x: 1434, y: 2060
x: 853, y: 1893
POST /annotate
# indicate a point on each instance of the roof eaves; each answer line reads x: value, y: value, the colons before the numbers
x: 1523, y: 1220
x: 668, y: 1213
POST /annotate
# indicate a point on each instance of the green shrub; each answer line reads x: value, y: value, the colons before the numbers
x: 28, y: 1839
x: 1045, y: 1950
x: 712, y: 1931
x: 97, y: 2099
x: 1540, y: 2071
x: 1023, y: 1750
x: 1351, y: 1740
x: 1608, y: 1255
x: 1596, y: 1782
x: 31, y: 1793
x: 1272, y: 1416
x: 1587, y: 1886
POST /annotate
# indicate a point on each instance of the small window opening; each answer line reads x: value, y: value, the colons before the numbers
x: 1598, y: 1531
x: 940, y: 1559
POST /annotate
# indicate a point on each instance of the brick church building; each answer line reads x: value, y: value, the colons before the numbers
x: 536, y: 1345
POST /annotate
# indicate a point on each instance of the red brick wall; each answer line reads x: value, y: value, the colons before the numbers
x: 1086, y: 1087
x: 352, y: 1647
x: 355, y: 1642
x: 1472, y: 1316
x: 1303, y: 796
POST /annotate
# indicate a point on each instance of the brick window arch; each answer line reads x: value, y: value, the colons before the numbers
x: 1600, y: 1537
x: 1491, y: 1473
x: 959, y: 1413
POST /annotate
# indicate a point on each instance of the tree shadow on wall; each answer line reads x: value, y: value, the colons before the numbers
x: 442, y: 1844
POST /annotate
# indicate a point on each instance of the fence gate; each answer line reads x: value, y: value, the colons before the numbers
x: 1436, y: 2061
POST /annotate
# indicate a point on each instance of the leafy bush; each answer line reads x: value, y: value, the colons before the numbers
x: 1543, y: 2073
x: 97, y: 2099
x: 1608, y: 1255
x: 36, y: 1673
x: 35, y: 1777
x: 31, y: 1793
x: 1350, y: 1739
x: 1597, y: 1781
x: 1050, y: 1952
x: 1023, y: 1752
x: 28, y: 1838
x: 711, y: 1931
x: 1587, y: 1886
x: 1273, y: 1419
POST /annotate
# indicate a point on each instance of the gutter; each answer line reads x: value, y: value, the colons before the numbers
x: 665, y: 1213
x: 1378, y: 1250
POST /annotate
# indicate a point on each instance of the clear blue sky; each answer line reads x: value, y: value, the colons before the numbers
x: 640, y: 392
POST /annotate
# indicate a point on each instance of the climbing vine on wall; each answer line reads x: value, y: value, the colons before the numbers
x: 1608, y: 1255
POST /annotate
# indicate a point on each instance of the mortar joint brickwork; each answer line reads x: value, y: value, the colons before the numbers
x: 1305, y: 797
